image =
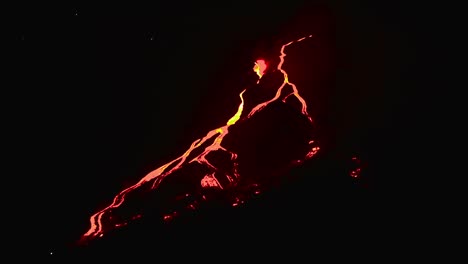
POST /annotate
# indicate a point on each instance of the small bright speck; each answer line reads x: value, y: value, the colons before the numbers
x: 51, y: 253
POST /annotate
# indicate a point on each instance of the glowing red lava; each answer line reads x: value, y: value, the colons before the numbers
x: 259, y: 68
x: 97, y: 224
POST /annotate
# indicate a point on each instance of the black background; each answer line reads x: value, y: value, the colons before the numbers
x: 106, y: 94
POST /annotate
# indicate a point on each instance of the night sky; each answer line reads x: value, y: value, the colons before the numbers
x: 106, y: 94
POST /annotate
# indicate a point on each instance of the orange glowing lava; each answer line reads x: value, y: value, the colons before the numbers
x: 260, y: 67
x: 216, y: 135
x: 285, y: 81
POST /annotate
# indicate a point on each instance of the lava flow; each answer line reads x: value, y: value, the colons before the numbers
x: 211, y: 142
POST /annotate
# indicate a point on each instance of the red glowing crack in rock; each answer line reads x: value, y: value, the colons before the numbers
x: 96, y: 220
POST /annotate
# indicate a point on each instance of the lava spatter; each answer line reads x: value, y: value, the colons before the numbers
x: 259, y: 68
x: 212, y: 142
x: 355, y: 172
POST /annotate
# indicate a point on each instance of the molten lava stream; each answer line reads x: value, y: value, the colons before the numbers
x: 211, y: 142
